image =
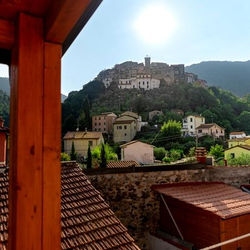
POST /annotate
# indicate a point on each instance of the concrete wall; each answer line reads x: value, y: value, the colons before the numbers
x: 131, y: 198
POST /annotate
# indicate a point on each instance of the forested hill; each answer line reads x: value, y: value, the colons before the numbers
x: 215, y: 104
x: 4, y: 85
x: 233, y: 76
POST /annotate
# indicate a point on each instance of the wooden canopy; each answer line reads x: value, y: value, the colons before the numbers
x: 34, y: 34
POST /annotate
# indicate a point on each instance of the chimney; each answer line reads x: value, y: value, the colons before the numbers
x: 1, y: 122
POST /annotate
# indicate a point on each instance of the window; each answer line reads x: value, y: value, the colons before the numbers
x: 125, y: 134
x: 99, y: 118
x: 95, y: 123
x: 99, y: 124
x: 200, y: 131
x: 232, y: 155
x: 90, y: 143
x: 191, y: 119
x: 216, y: 131
x: 104, y: 123
x: 191, y: 126
x: 125, y: 127
x: 104, y: 129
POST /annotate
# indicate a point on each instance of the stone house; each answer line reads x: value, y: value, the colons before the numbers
x: 103, y: 122
x: 190, y: 123
x: 82, y: 139
x: 211, y: 129
x: 125, y: 128
x: 140, y: 152
x: 3, y: 142
x: 153, y: 113
x: 237, y: 151
x: 234, y: 135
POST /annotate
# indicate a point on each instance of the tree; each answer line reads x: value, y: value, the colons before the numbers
x: 89, y: 158
x: 171, y: 128
x: 103, y: 163
x: 217, y: 151
x: 159, y: 153
x: 73, y: 154
x: 65, y: 157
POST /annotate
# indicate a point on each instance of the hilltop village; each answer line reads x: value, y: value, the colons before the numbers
x: 147, y: 76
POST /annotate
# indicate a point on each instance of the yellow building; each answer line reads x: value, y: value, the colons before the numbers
x: 237, y: 151
x: 125, y: 128
x: 238, y: 141
x: 82, y: 139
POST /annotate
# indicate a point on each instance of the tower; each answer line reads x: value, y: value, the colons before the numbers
x: 147, y: 62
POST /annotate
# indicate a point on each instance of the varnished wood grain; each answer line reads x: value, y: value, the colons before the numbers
x: 7, y: 34
x: 52, y: 148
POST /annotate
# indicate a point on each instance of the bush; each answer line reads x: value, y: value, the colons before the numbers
x: 217, y: 151
x: 109, y: 153
x: 242, y: 160
x: 65, y: 157
x: 159, y: 153
x: 166, y: 159
x: 191, y: 152
x: 176, y: 154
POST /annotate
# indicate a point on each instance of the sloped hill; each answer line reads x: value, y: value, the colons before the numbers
x: 233, y: 76
x: 4, y: 85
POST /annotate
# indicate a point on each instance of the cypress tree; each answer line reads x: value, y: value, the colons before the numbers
x: 103, y: 163
x: 73, y: 152
x: 89, y: 158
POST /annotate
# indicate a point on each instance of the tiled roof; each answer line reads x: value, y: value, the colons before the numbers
x: 129, y: 113
x: 247, y: 147
x: 4, y: 129
x: 218, y: 198
x: 124, y: 119
x: 122, y: 164
x: 239, y: 139
x: 136, y: 141
x: 82, y: 135
x: 87, y: 220
x: 208, y: 125
x: 237, y: 133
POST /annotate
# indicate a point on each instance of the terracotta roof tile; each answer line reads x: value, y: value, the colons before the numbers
x: 82, y: 135
x: 122, y: 164
x: 218, y: 198
x: 87, y: 220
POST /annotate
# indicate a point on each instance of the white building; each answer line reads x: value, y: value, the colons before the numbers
x: 143, y: 81
x: 190, y: 123
x: 236, y: 135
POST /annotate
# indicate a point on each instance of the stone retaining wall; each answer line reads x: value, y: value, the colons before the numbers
x: 131, y: 198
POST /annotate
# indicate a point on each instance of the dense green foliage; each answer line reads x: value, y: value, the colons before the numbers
x: 243, y: 160
x: 65, y: 157
x: 214, y: 104
x: 159, y: 153
x: 171, y: 128
x: 217, y: 151
x: 233, y: 76
x: 4, y: 107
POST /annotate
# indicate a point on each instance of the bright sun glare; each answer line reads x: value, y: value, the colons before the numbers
x: 155, y: 24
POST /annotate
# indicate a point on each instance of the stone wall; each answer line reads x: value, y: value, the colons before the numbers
x: 131, y: 198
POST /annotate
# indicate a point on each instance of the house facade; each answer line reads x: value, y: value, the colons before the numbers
x: 190, y: 123
x: 211, y: 129
x: 140, y: 152
x: 82, y: 139
x: 237, y: 151
x: 234, y: 135
x: 142, y: 81
x: 103, y: 122
x: 239, y: 141
x: 125, y: 128
x: 135, y: 116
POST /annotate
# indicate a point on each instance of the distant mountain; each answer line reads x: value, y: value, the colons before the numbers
x: 233, y: 76
x: 5, y: 87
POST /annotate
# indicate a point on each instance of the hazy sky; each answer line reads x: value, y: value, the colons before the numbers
x: 171, y: 31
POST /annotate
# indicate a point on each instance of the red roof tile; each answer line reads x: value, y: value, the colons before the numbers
x: 218, y: 198
x: 87, y: 220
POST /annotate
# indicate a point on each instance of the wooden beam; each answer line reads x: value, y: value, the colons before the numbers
x: 7, y: 34
x: 52, y: 147
x: 35, y: 173
x: 26, y: 129
x: 80, y: 24
x: 62, y: 17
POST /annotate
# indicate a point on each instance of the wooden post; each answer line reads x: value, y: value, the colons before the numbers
x: 34, y: 195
